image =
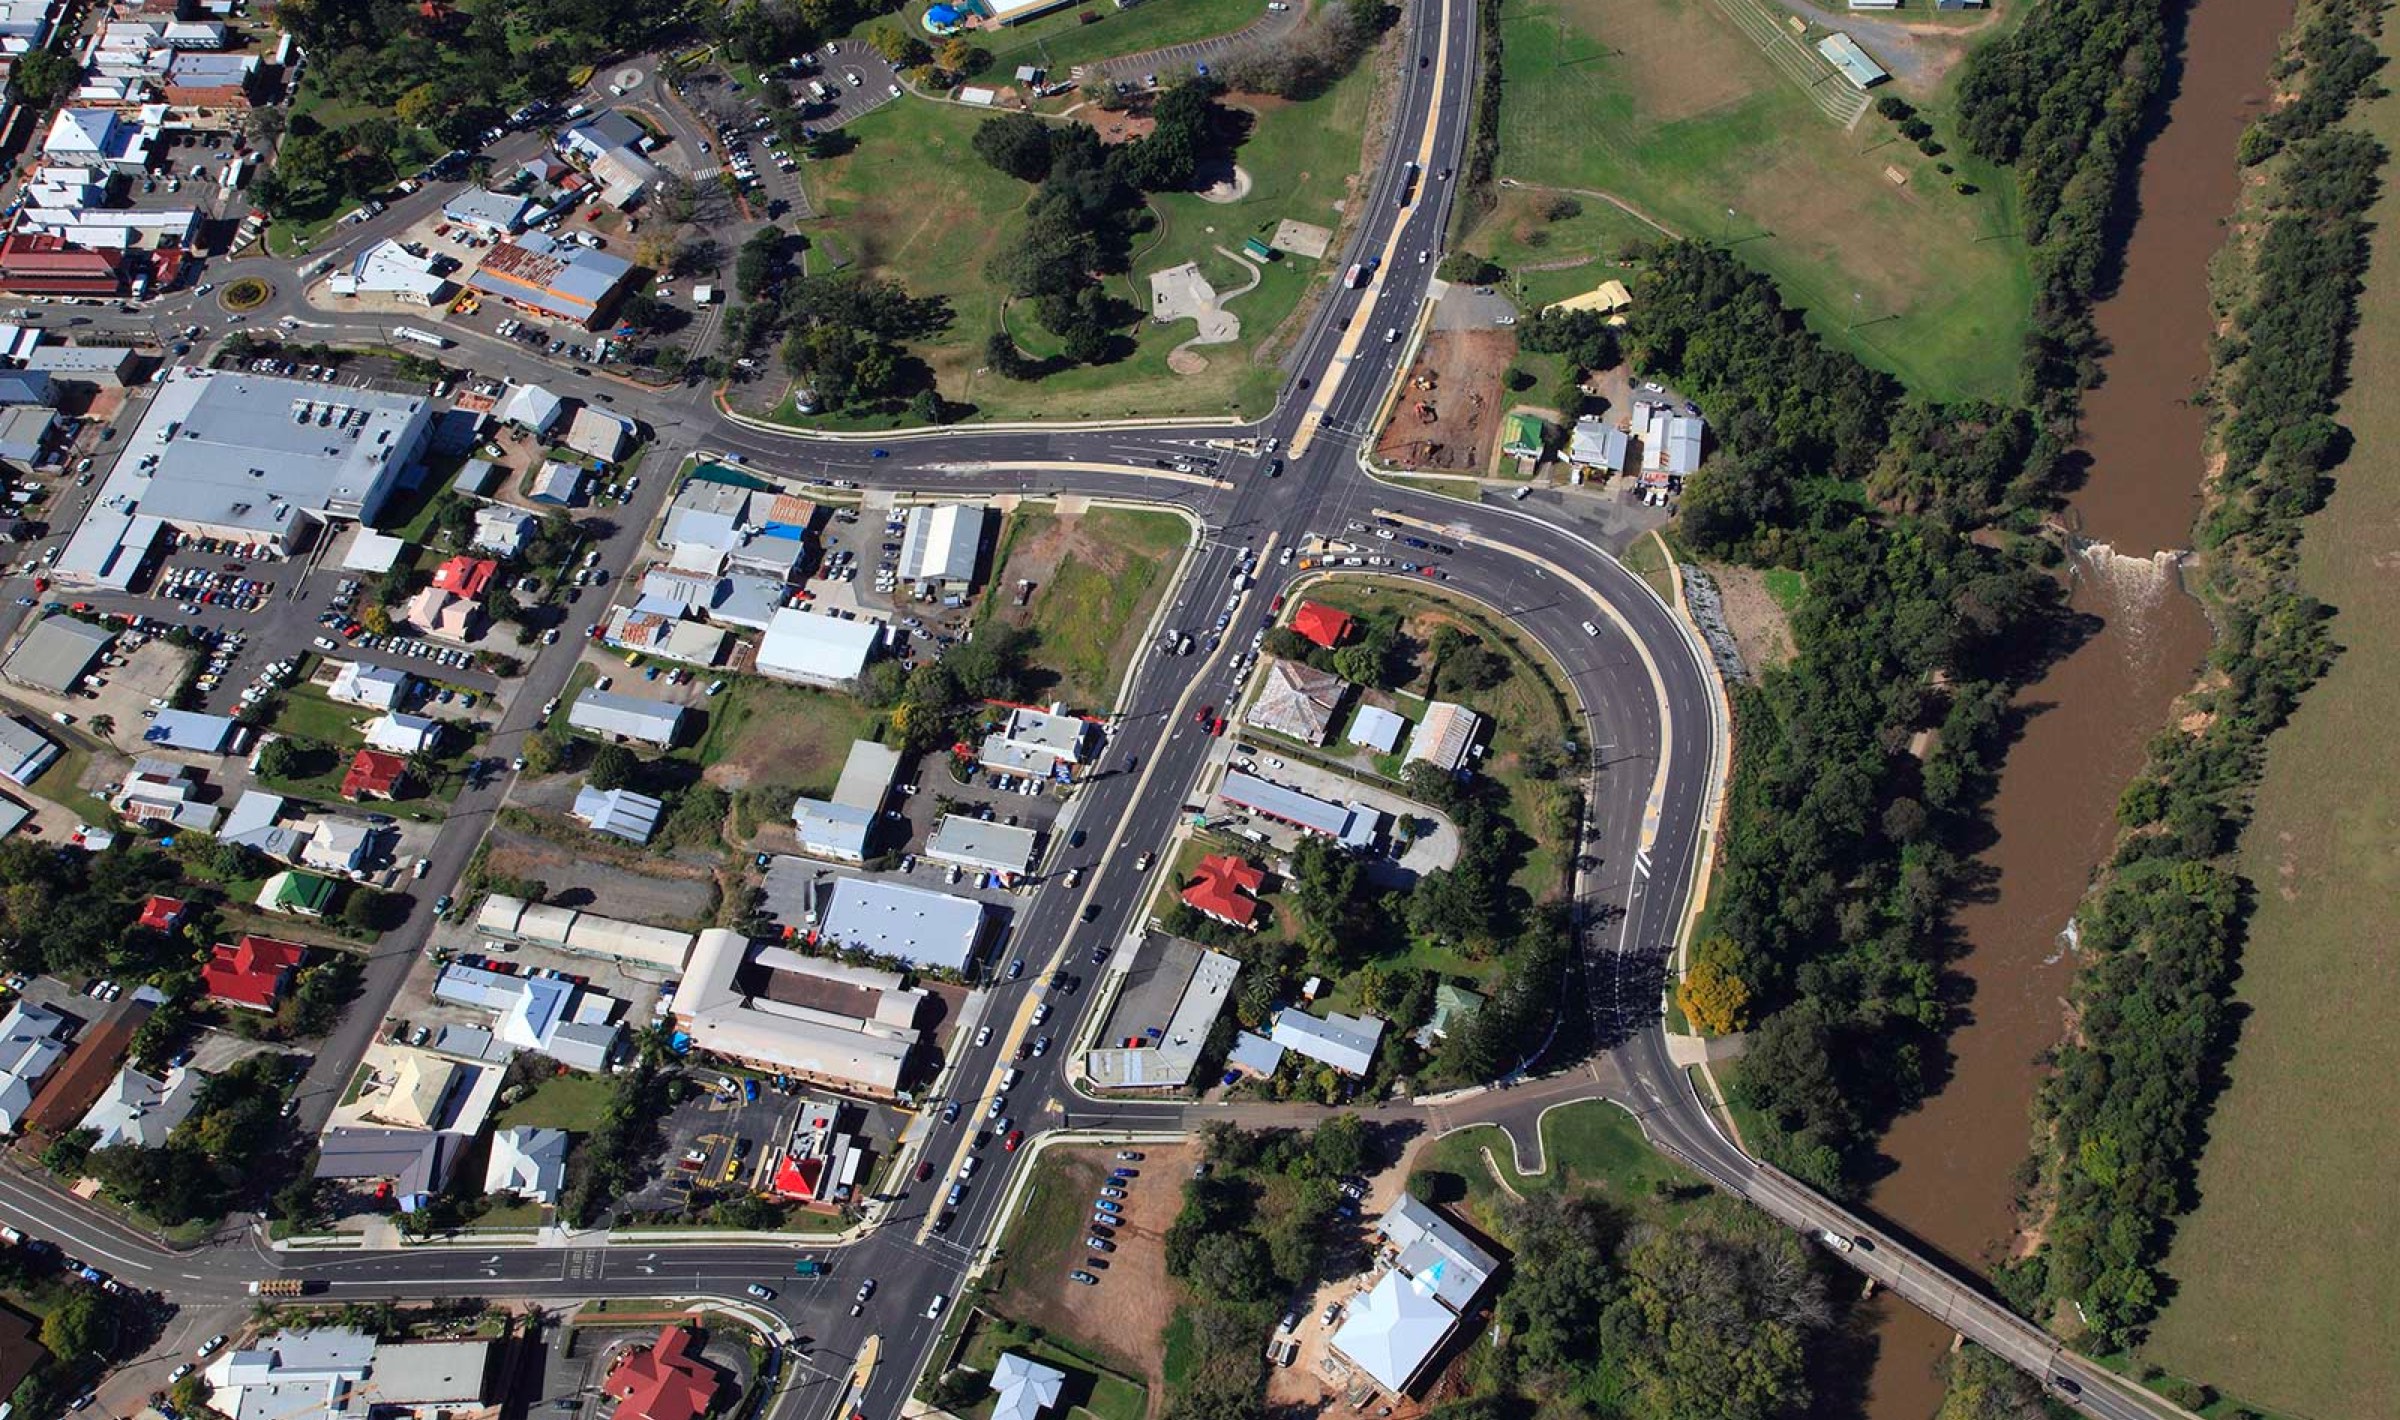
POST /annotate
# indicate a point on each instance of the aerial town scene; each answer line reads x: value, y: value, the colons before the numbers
x: 1197, y: 709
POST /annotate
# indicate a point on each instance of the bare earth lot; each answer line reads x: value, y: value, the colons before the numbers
x: 1464, y: 396
x: 634, y: 886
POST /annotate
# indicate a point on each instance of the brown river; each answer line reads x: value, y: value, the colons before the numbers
x: 2087, y: 720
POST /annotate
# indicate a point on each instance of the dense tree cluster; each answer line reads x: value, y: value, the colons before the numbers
x: 2125, y: 1114
x: 72, y: 914
x: 2063, y: 99
x: 1303, y: 64
x: 763, y: 32
x: 2334, y: 61
x: 847, y: 333
x: 227, y: 1152
x: 617, y: 1157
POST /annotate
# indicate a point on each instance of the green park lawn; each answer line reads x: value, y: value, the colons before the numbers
x: 1061, y: 40
x: 570, y: 1102
x: 914, y: 203
x: 1096, y: 587
x: 1588, y: 1147
x: 1667, y: 105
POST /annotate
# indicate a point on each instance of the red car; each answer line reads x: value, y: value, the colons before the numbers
x: 1015, y: 1137
x: 1207, y: 712
x: 924, y: 1169
x: 1218, y: 729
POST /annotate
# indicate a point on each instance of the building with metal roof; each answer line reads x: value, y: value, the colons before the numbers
x: 252, y: 459
x: 1599, y: 446
x: 841, y: 827
x: 24, y: 751
x: 813, y: 649
x: 1523, y: 435
x: 531, y: 407
x: 558, y: 280
x: 1297, y: 701
x: 618, y: 812
x: 772, y: 1008
x: 902, y: 923
x: 193, y: 731
x: 598, y: 434
x: 983, y: 845
x: 1445, y: 737
x: 1352, y: 825
x: 1040, y: 744
x: 1161, y: 1016
x: 253, y: 823
x: 1844, y: 54
x: 613, y: 715
x: 943, y: 545
x: 1434, y: 1274
x: 366, y: 684
x: 32, y: 1042
x: 572, y: 930
x: 1023, y: 1389
x: 1376, y: 728
x: 489, y: 213
x: 1347, y: 1043
x: 391, y: 271
x: 530, y: 1164
x: 142, y: 1110
x: 57, y: 653
x: 1255, y: 1054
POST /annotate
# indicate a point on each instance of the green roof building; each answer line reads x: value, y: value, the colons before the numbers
x: 1523, y: 436
x: 305, y: 894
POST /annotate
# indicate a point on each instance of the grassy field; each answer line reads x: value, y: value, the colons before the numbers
x: 569, y: 1102
x: 1061, y: 40
x: 1090, y: 1390
x: 763, y: 731
x: 2285, y: 1291
x: 913, y: 202
x: 1550, y: 260
x: 1666, y: 105
x: 1587, y: 1147
x: 1097, y: 579
x: 306, y: 711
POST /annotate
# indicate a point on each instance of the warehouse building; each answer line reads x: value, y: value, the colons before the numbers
x: 56, y: 654
x: 571, y: 930
x: 841, y: 827
x: 906, y: 924
x: 1161, y: 1016
x: 553, y: 279
x: 942, y: 546
x: 810, y: 649
x: 613, y: 716
x: 854, y: 1028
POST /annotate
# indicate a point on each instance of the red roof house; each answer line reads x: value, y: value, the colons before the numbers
x: 374, y: 774
x: 1226, y: 890
x: 162, y: 914
x: 663, y: 1381
x: 1322, y: 624
x: 466, y: 576
x: 252, y: 972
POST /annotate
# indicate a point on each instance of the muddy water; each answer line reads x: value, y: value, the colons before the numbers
x: 2086, y: 722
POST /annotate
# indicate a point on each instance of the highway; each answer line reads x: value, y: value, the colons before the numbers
x: 1652, y: 728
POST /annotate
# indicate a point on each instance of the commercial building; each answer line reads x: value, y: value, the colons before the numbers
x: 572, y: 1023
x: 24, y: 751
x: 618, y: 812
x: 24, y: 433
x: 37, y: 263
x: 410, y: 1166
x: 253, y: 823
x: 982, y: 845
x: 251, y: 973
x: 57, y: 653
x: 850, y: 1027
x: 193, y: 732
x: 530, y: 1164
x: 826, y: 1163
x: 1599, y: 447
x: 335, y: 1373
x: 1351, y: 825
x: 1432, y: 1274
x: 390, y: 271
x: 1297, y: 701
x: 615, y: 716
x: 487, y: 213
x: 656, y: 628
x: 158, y: 791
x: 942, y: 546
x: 108, y: 139
x: 1036, y: 744
x: 1523, y: 436
x: 1445, y: 737
x: 841, y: 827
x: 911, y: 925
x: 398, y: 732
x: 556, y: 280
x: 596, y: 433
x: 665, y: 1380
x: 1161, y: 1015
x: 372, y: 552
x: 568, y: 929
x: 246, y: 458
x: 810, y: 649
x: 1226, y: 891
x: 1347, y: 1043
x: 32, y: 1042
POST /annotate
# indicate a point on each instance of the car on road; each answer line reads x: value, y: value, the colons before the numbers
x: 924, y: 1170
x: 866, y: 1289
x: 933, y: 1308
x: 179, y: 1373
x: 999, y: 1103
x: 1206, y: 713
x: 983, y: 1037
x: 1009, y: 1144
x: 950, y: 1112
x: 764, y: 1294
x: 1016, y: 968
x: 208, y: 1348
x: 441, y: 904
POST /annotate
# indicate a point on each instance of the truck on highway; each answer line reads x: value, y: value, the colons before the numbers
x: 421, y: 337
x: 808, y: 1267
x: 283, y: 1287
x: 1358, y: 273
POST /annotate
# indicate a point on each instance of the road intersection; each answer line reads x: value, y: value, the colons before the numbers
x: 1637, y: 678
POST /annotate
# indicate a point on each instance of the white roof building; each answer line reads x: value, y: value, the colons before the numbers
x: 1024, y: 1389
x: 910, y: 924
x: 487, y: 212
x: 340, y: 845
x: 529, y: 1163
x: 1445, y: 737
x: 982, y: 845
x: 1436, y: 1272
x: 24, y: 751
x: 1347, y: 1043
x: 502, y: 530
x: 1376, y: 728
x: 1036, y: 743
x: 531, y: 406
x: 140, y: 1110
x: 375, y: 687
x: 943, y: 543
x: 811, y: 649
x: 252, y: 823
x: 824, y: 1021
x: 372, y: 551
x: 393, y: 272
x: 31, y: 1045
x: 628, y: 717
x: 840, y: 827
x: 398, y: 733
x: 618, y: 812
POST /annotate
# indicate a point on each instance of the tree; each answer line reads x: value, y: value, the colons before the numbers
x: 43, y: 77
x: 1716, y: 1000
x: 279, y: 758
x: 1361, y: 664
x: 367, y: 910
x: 81, y: 1327
x: 1018, y: 144
x: 1341, y: 1146
x: 544, y: 751
x: 104, y: 725
x: 612, y: 767
x: 1465, y: 268
x: 1232, y: 1265
x: 1562, y: 1282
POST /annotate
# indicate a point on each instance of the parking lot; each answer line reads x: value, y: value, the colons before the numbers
x: 719, y: 1138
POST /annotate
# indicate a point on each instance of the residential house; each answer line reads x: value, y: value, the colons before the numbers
x: 1226, y: 891
x: 374, y: 774
x: 375, y: 687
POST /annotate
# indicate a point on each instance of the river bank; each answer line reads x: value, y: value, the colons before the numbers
x: 2082, y: 728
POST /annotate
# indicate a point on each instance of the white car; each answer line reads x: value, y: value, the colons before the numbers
x: 933, y: 1309
x: 983, y: 1037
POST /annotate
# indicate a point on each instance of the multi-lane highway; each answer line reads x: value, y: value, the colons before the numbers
x: 1652, y: 728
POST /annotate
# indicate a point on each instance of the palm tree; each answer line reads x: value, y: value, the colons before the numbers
x: 105, y: 726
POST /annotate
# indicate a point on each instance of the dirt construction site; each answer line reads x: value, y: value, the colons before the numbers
x: 1448, y: 414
